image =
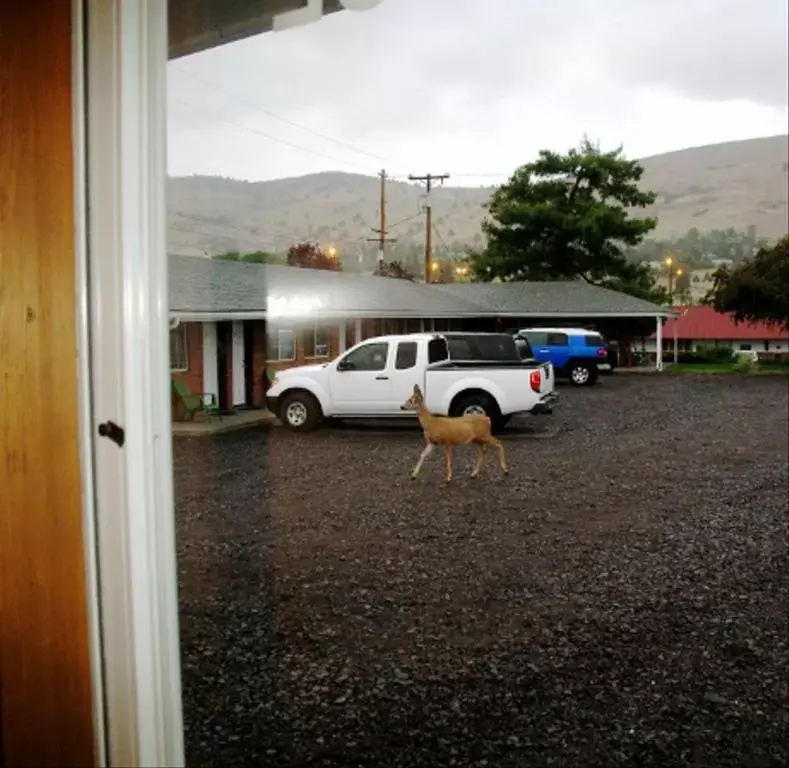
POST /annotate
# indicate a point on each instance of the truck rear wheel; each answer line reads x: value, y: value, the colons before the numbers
x: 300, y: 411
x: 479, y: 403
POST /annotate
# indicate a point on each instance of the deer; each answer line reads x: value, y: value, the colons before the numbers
x: 473, y: 429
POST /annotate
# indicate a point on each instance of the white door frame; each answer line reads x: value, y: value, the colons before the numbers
x: 122, y: 170
x: 238, y: 364
x: 210, y: 359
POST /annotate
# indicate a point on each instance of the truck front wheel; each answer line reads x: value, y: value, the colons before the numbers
x: 300, y: 411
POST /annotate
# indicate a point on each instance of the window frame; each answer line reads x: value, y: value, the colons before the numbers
x: 313, y: 331
x: 119, y: 60
x: 185, y: 337
x: 277, y: 345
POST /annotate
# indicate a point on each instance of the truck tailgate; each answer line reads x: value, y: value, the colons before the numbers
x: 548, y: 379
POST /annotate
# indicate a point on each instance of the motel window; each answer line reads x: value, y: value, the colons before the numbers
x: 179, y: 353
x: 281, y: 345
x: 316, y: 341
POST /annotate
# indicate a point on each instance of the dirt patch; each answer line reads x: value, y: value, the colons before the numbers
x: 620, y: 599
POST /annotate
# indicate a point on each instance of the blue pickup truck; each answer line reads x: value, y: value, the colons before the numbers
x: 577, y: 353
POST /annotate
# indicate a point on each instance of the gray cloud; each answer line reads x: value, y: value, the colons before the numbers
x: 439, y: 77
x: 710, y: 50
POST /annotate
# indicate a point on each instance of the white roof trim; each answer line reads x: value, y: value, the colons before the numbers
x: 187, y: 316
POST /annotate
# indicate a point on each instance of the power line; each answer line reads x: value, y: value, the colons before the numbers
x: 406, y: 219
x: 253, y: 105
x: 338, y: 142
x: 268, y: 136
x: 479, y: 175
x: 441, y: 239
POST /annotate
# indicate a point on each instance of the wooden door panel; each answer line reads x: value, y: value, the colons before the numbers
x: 45, y: 684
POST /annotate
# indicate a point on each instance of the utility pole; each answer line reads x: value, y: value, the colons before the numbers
x: 429, y: 178
x: 382, y: 238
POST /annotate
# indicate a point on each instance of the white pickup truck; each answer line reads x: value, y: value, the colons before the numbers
x: 459, y: 373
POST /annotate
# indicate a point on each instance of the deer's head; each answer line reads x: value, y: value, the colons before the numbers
x: 415, y: 402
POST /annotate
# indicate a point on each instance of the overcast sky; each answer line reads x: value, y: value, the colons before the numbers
x: 476, y: 87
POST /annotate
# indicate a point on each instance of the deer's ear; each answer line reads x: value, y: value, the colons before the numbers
x: 416, y: 389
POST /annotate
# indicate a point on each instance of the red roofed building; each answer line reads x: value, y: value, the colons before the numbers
x: 703, y: 325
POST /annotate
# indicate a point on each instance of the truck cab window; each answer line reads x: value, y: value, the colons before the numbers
x: 370, y: 357
x: 437, y: 350
x: 406, y: 355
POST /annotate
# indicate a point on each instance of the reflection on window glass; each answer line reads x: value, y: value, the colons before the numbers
x: 335, y: 612
x: 281, y: 346
x: 316, y: 341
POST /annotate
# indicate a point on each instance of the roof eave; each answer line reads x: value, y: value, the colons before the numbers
x: 188, y: 315
x: 198, y: 25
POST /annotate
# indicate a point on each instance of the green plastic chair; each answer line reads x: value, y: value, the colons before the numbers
x: 202, y: 402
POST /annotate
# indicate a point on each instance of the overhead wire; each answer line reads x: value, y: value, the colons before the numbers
x: 253, y: 105
x: 243, y: 100
x: 222, y: 119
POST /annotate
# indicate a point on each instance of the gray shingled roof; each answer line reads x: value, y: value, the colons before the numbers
x: 573, y: 297
x: 208, y: 286
x: 212, y: 289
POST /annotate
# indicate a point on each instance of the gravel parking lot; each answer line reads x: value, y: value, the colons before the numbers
x: 620, y: 599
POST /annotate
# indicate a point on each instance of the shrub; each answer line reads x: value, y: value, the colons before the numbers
x: 709, y: 353
x: 746, y: 364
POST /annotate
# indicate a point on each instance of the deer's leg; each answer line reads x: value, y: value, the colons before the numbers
x: 428, y: 450
x: 502, y: 458
x: 448, y: 459
x: 480, y: 459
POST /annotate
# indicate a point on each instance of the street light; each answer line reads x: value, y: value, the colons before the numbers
x: 331, y: 251
x: 673, y: 272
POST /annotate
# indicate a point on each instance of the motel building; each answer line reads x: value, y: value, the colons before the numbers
x: 233, y: 325
x: 92, y: 321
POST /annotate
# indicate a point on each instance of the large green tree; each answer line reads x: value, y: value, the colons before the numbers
x: 568, y: 216
x: 757, y: 290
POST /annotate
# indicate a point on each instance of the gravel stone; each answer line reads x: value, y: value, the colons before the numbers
x: 620, y: 599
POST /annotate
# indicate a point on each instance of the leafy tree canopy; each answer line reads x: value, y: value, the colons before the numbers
x: 564, y: 217
x: 757, y: 290
x: 312, y: 256
x: 395, y: 269
x: 698, y: 250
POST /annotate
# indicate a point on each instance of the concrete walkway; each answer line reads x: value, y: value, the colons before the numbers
x: 232, y: 423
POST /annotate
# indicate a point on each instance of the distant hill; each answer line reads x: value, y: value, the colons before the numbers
x: 735, y: 184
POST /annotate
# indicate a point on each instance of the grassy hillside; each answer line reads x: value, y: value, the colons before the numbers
x: 735, y: 184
